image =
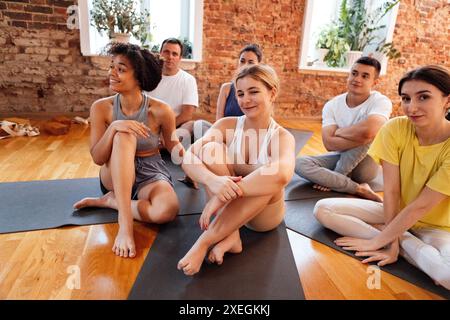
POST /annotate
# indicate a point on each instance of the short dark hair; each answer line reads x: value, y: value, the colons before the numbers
x: 432, y: 74
x: 173, y: 41
x: 253, y: 47
x: 147, y: 68
x: 369, y: 61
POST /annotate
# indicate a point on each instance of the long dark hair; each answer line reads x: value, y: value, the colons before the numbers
x: 435, y: 75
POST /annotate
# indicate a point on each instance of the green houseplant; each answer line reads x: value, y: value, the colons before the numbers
x: 119, y: 16
x: 332, y: 47
x: 359, y: 27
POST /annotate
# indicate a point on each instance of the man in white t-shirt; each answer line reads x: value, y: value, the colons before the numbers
x: 350, y: 122
x: 177, y: 87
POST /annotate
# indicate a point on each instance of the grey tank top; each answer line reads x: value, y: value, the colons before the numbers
x: 143, y: 144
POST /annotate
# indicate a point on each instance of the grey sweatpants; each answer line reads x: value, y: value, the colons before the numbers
x: 341, y: 172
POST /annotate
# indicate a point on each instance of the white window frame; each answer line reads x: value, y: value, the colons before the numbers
x: 87, y: 36
x: 307, y: 32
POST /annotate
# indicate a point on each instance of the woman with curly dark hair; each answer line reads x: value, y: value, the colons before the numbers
x: 125, y: 130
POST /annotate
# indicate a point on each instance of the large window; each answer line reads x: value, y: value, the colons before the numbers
x: 323, y: 27
x: 181, y: 19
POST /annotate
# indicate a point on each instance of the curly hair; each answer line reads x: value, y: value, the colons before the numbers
x: 147, y: 67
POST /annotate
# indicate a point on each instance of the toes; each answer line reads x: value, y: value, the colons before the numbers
x: 187, y: 271
x: 180, y: 265
x: 211, y: 257
x: 219, y: 261
x: 132, y: 253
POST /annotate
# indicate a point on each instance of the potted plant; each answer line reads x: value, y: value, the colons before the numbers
x: 119, y: 19
x: 359, y: 27
x: 323, y: 44
x: 331, y: 47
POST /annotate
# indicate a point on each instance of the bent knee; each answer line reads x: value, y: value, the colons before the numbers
x: 322, y: 211
x: 302, y: 164
x: 166, y: 214
x: 121, y: 137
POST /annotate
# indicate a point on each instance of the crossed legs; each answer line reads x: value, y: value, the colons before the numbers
x: 426, y: 248
x: 157, y: 201
x: 223, y: 233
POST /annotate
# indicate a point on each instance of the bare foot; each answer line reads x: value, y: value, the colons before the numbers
x: 107, y: 201
x: 217, y: 252
x: 321, y: 188
x: 124, y: 244
x: 192, y: 261
x: 364, y: 191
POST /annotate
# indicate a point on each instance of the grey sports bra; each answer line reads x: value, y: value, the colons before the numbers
x: 143, y: 144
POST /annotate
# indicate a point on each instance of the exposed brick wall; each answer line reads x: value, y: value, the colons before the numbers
x: 41, y: 67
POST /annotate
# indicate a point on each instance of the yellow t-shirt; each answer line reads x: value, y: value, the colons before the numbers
x: 420, y: 166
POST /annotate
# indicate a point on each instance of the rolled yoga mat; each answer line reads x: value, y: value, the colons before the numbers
x: 265, y: 269
x: 299, y: 218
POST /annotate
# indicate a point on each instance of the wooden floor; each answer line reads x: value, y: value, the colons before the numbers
x: 77, y: 262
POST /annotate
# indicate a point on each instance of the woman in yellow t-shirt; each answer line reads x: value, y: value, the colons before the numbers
x: 414, y: 151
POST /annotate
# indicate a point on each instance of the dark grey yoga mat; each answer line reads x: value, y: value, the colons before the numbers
x: 37, y: 205
x: 264, y: 270
x: 299, y: 218
x: 301, y: 138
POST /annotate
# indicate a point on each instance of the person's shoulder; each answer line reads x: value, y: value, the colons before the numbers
x: 336, y: 100
x: 226, y: 123
x: 399, y: 126
x: 157, y: 106
x: 103, y: 103
x: 378, y: 96
x: 285, y: 134
x: 226, y: 86
x: 186, y: 75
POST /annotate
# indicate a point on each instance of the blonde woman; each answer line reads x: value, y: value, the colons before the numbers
x: 244, y: 163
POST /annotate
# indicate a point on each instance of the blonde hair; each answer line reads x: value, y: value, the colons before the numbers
x: 262, y: 73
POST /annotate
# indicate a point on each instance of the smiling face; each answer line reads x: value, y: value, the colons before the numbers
x: 247, y: 58
x: 424, y: 104
x: 361, y: 79
x: 121, y: 75
x: 254, y: 98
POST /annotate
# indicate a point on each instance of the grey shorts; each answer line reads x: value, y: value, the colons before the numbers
x: 147, y: 170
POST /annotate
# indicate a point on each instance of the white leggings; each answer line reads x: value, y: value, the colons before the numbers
x: 426, y: 248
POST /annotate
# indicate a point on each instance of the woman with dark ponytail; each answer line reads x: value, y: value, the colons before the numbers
x: 414, y: 151
x: 125, y: 130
